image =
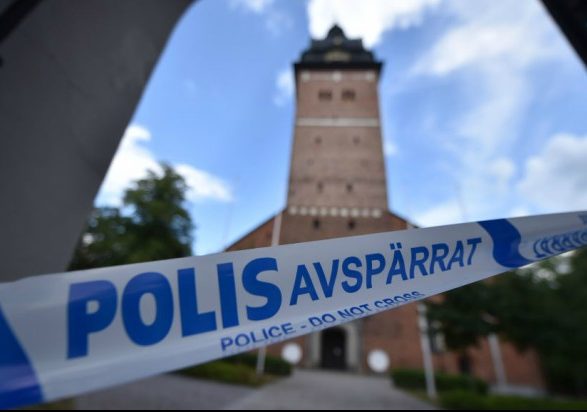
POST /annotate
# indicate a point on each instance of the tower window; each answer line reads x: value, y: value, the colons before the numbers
x: 348, y: 95
x: 349, y: 187
x: 318, y: 140
x: 325, y: 95
x: 356, y: 140
x: 351, y: 224
x: 316, y: 224
x: 320, y: 187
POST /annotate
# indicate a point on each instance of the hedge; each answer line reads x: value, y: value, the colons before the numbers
x: 273, y: 366
x: 225, y: 372
x: 416, y: 379
x: 239, y: 369
x: 465, y: 400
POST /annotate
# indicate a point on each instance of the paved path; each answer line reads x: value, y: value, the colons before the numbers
x: 165, y: 392
x: 328, y: 390
x: 304, y: 390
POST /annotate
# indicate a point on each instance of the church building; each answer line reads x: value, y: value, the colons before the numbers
x: 337, y: 188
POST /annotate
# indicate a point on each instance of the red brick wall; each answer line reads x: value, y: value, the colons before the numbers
x: 325, y: 161
x: 366, y: 103
x: 328, y: 160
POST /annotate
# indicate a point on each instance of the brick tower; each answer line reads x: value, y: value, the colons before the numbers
x: 337, y: 188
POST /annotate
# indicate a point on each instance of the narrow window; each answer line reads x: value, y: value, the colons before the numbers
x: 318, y: 140
x: 348, y: 95
x: 351, y: 225
x: 316, y: 224
x: 349, y: 187
x: 325, y: 95
x: 320, y: 187
x: 356, y: 140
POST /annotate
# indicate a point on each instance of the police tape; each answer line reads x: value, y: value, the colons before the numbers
x: 66, y: 334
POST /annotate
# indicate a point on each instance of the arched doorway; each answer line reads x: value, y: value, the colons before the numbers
x: 334, y: 349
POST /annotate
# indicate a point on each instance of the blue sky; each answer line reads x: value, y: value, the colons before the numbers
x: 483, y: 109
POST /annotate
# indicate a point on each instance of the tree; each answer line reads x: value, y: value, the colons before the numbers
x: 543, y: 307
x: 104, y: 241
x: 549, y: 313
x: 464, y: 315
x: 156, y: 225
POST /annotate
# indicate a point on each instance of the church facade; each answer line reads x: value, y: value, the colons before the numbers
x: 337, y: 188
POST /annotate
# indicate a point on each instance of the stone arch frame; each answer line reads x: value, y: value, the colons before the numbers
x: 353, y: 347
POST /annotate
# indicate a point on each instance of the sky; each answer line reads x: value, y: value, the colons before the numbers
x: 483, y: 109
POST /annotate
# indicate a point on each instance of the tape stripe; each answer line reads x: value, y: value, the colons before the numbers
x: 506, y: 243
x: 18, y: 381
x: 69, y: 333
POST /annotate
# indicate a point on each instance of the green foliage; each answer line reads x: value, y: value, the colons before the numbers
x: 227, y: 372
x: 104, y: 241
x: 542, y: 307
x: 240, y: 370
x: 158, y: 226
x: 273, y: 366
x: 464, y: 400
x: 415, y: 379
x: 464, y: 315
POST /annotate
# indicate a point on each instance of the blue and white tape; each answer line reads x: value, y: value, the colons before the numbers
x: 69, y: 333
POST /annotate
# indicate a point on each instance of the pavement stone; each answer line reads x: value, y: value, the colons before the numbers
x: 312, y: 389
x: 305, y: 389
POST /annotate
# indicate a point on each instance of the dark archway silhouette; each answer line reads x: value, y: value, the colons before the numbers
x: 334, y: 348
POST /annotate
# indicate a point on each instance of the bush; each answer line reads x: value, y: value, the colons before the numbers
x: 465, y: 400
x: 226, y: 372
x: 239, y: 369
x: 273, y: 366
x: 415, y: 379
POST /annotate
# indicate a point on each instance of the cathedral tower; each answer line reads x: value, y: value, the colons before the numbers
x: 337, y: 161
x: 337, y: 184
x: 337, y: 187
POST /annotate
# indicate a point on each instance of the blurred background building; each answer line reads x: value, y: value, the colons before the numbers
x: 337, y: 188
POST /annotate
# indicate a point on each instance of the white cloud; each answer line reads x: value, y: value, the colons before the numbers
x: 445, y: 213
x: 389, y: 148
x: 133, y: 160
x: 367, y: 19
x: 511, y: 32
x: 501, y: 171
x: 492, y: 47
x: 494, y: 44
x: 275, y: 19
x: 130, y: 163
x: 556, y: 179
x: 256, y: 6
x: 284, y: 83
x: 519, y: 211
x: 203, y: 185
